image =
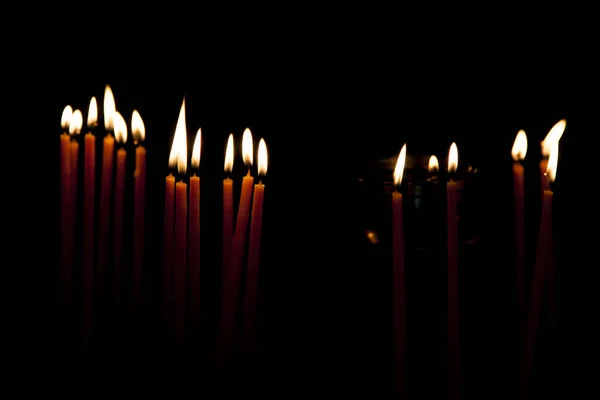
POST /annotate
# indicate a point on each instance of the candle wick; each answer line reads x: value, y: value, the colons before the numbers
x: 248, y: 171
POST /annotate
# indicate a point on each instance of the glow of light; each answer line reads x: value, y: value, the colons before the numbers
x: 519, y: 148
x: 262, y: 158
x: 434, y: 165
x: 553, y: 136
x: 399, y: 170
x: 229, y: 154
x: 196, y: 150
x: 453, y: 158
x: 92, y: 117
x: 178, y: 155
x: 109, y: 109
x: 552, y: 162
x: 65, y: 119
x: 120, y: 127
x: 138, y: 130
x: 247, y: 147
x: 76, y: 123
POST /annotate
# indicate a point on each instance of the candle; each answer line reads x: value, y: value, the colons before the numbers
x: 74, y: 130
x: 249, y: 315
x: 518, y: 154
x: 194, y: 235
x: 453, y: 303
x: 65, y: 206
x: 232, y: 285
x: 89, y: 184
x: 543, y: 263
x: 227, y: 207
x: 178, y: 158
x: 551, y: 138
x: 108, y: 150
x: 398, y: 281
x: 120, y: 128
x: 138, y: 131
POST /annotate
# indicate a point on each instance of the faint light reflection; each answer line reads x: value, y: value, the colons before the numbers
x: 372, y: 237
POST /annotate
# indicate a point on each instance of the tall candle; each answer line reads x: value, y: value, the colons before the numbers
x: 227, y: 208
x: 194, y: 236
x: 65, y: 206
x: 121, y: 137
x: 518, y: 154
x: 249, y: 315
x: 74, y: 130
x: 168, y: 227
x: 398, y: 281
x: 225, y: 339
x: 138, y: 132
x: 453, y: 294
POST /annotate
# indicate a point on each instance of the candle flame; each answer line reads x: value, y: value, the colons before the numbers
x: 229, y: 154
x: 519, y: 148
x: 553, y: 135
x: 552, y: 162
x: 196, y: 149
x: 138, y: 130
x: 263, y: 160
x: 453, y: 158
x: 434, y: 165
x: 120, y: 127
x: 399, y: 170
x: 76, y: 123
x: 178, y: 156
x: 247, y: 147
x: 109, y: 109
x: 92, y: 117
x: 65, y: 119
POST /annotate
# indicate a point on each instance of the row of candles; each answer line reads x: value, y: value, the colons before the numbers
x: 544, y: 258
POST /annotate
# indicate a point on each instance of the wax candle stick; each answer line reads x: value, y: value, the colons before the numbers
x: 138, y: 132
x: 168, y: 227
x: 108, y: 152
x: 398, y: 281
x: 120, y: 128
x: 227, y: 208
x: 453, y: 293
x: 518, y: 154
x: 249, y: 315
x: 74, y: 131
x: 65, y: 205
x: 194, y: 236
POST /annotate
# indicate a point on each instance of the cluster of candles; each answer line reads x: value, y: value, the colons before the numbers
x: 542, y: 269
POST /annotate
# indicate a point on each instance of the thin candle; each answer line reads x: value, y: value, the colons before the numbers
x: 120, y: 128
x: 194, y: 235
x: 518, y: 154
x: 65, y: 204
x: 249, y: 315
x: 138, y: 131
x: 74, y: 130
x: 398, y: 281
x: 227, y: 207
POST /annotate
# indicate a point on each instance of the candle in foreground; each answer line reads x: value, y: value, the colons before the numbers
x: 453, y: 301
x: 120, y: 128
x: 194, y: 235
x: 518, y: 154
x: 551, y: 138
x: 227, y: 207
x: 74, y: 130
x: 231, y: 287
x: 543, y: 263
x: 108, y: 153
x: 138, y: 131
x: 65, y: 204
x: 249, y: 315
x: 398, y: 281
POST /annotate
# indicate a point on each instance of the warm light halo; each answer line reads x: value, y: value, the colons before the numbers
x: 453, y: 158
x: 109, y: 109
x: 519, y: 149
x: 553, y: 135
x: 247, y: 148
x: 138, y: 130
x: 92, y: 116
x: 196, y: 149
x: 434, y: 165
x: 229, y: 154
x: 552, y: 162
x: 399, y: 170
x: 262, y: 158
x: 178, y: 155
x: 65, y: 118
x: 76, y: 123
x: 120, y: 127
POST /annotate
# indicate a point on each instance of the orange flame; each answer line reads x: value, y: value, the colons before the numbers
x: 553, y: 135
x: 109, y: 109
x: 519, y: 148
x: 120, y: 127
x: 76, y: 123
x: 399, y: 170
x: 92, y: 117
x: 247, y: 153
x: 453, y: 158
x: 434, y: 165
x: 65, y: 119
x: 196, y: 150
x: 262, y: 158
x: 229, y: 154
x: 178, y: 155
x: 138, y: 130
x: 552, y: 162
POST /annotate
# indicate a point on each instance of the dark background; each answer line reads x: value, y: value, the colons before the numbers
x: 330, y: 100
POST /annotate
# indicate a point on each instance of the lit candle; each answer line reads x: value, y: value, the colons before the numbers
x: 453, y: 303
x: 74, y: 130
x: 227, y: 207
x: 108, y: 152
x: 179, y: 159
x: 398, y: 281
x: 138, y: 131
x: 65, y: 204
x: 194, y: 234
x: 543, y: 265
x: 120, y: 128
x: 518, y: 154
x: 249, y: 315
x: 433, y: 214
x: 551, y: 138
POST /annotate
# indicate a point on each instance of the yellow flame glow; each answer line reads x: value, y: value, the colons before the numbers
x: 229, y: 154
x: 519, y: 148
x: 92, y: 117
x: 120, y: 127
x: 247, y: 153
x: 399, y: 170
x: 138, y: 130
x: 196, y: 149
x: 76, y: 123
x: 553, y: 135
x: 65, y: 119
x: 453, y: 158
x: 552, y: 162
x: 109, y: 109
x: 178, y: 155
x: 263, y: 159
x: 434, y: 165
